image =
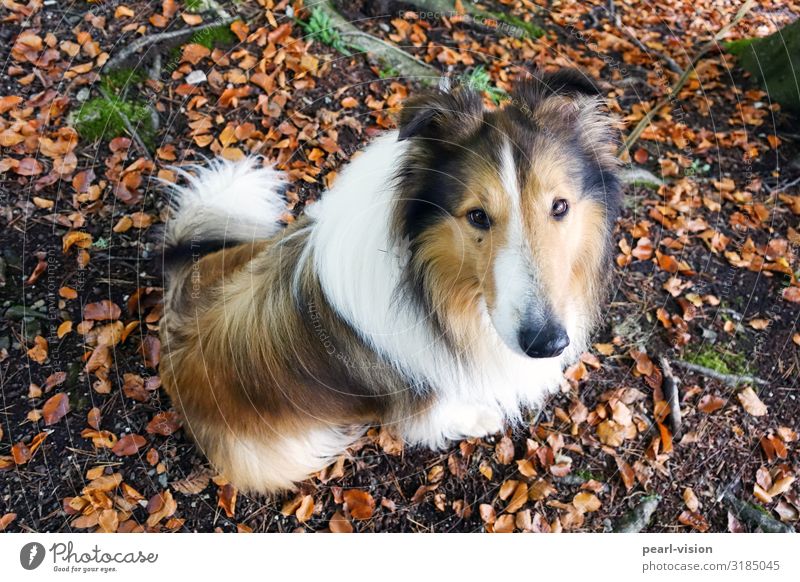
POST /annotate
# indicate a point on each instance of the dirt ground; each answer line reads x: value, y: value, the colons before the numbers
x: 705, y: 273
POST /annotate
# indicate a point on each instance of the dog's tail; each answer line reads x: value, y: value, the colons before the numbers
x: 221, y: 205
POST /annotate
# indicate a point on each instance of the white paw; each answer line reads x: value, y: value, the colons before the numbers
x: 469, y: 421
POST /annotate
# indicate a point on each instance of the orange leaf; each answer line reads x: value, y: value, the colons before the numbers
x: 360, y: 503
x: 128, y: 445
x: 164, y: 423
x: 55, y: 408
x: 101, y: 310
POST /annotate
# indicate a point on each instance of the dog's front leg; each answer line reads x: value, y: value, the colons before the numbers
x: 449, y: 420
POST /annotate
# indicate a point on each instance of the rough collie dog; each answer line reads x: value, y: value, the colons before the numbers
x: 439, y: 288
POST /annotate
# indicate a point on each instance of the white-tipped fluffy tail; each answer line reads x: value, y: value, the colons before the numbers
x: 226, y: 203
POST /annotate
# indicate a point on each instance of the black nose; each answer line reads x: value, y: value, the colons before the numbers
x: 547, y: 341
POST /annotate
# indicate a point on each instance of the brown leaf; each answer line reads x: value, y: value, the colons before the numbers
x: 306, y: 509
x: 504, y: 451
x: 53, y: 380
x: 160, y: 506
x: 751, y: 402
x: 626, y: 473
x: 101, y: 311
x: 6, y: 520
x: 504, y: 524
x: 193, y: 484
x: 164, y: 423
x: 93, y: 418
x: 360, y: 503
x: 690, y: 499
x: 710, y: 403
x: 21, y: 453
x: 694, y: 520
x: 193, y: 53
x: 108, y: 520
x: 38, y: 353
x: 82, y: 240
x: 55, y: 408
x: 128, y: 445
x: 586, y: 502
x: 390, y: 443
x: 151, y: 351
x: 340, y: 524
x: 226, y: 499
x: 791, y: 294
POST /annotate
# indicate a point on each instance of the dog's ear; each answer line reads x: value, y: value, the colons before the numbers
x: 444, y: 115
x: 567, y: 99
x: 566, y: 85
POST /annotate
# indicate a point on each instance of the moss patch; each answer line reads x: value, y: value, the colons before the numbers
x: 719, y: 361
x: 121, y: 79
x: 214, y: 37
x: 102, y: 118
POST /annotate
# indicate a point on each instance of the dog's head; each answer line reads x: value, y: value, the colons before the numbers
x: 508, y: 213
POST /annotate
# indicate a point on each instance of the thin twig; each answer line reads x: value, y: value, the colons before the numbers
x: 633, y: 137
x: 729, y: 379
x: 671, y: 388
x: 782, y: 187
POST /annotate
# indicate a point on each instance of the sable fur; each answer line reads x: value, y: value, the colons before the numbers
x: 382, y: 304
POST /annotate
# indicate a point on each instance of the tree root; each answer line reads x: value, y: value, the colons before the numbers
x: 388, y: 54
x: 754, y: 516
x: 637, y: 518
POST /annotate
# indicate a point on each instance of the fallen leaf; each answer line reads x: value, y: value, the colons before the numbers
x: 751, y: 402
x: 360, y: 504
x: 55, y: 408
x: 164, y: 423
x: 586, y: 502
x: 128, y: 445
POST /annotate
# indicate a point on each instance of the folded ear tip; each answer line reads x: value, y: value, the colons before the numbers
x: 569, y: 82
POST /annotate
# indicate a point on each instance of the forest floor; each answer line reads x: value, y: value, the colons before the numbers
x: 706, y: 271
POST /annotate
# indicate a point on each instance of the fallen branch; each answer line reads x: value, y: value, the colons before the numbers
x: 633, y: 137
x: 478, y: 18
x: 173, y: 36
x: 390, y: 55
x: 670, y: 387
x: 637, y: 518
x: 729, y: 379
x: 754, y: 516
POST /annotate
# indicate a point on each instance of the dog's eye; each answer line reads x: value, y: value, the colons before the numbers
x: 479, y: 219
x: 560, y: 208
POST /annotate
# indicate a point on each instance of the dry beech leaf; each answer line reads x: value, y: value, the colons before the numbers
x: 226, y: 499
x: 586, y: 502
x: 55, y: 408
x: 504, y: 451
x: 128, y: 445
x: 340, y: 524
x: 360, y: 504
x: 710, y: 403
x: 751, y: 402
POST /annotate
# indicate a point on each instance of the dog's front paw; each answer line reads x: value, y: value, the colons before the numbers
x: 475, y: 421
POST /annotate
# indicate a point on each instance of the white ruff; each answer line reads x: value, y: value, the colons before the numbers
x: 360, y: 269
